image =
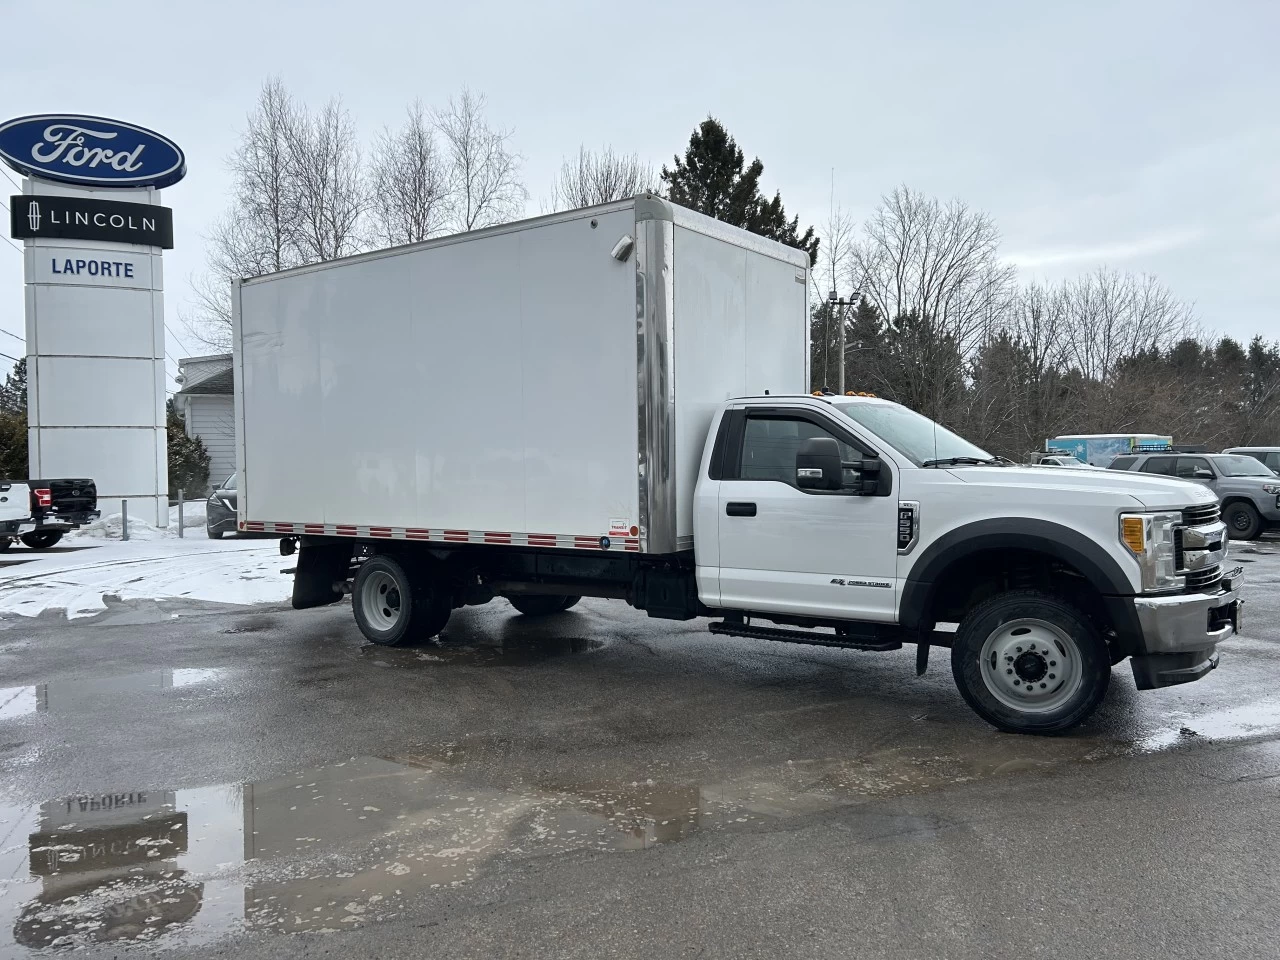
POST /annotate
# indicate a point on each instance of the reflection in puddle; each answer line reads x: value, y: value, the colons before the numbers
x: 1237, y: 723
x: 510, y: 653
x: 322, y: 850
x: 70, y: 696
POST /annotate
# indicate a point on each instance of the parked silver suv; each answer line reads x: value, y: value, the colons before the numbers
x: 1268, y: 455
x: 1248, y: 490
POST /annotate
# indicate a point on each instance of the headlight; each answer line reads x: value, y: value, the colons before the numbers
x: 1149, y: 537
x: 1271, y: 488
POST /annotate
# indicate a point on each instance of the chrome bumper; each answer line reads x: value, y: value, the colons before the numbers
x: 1180, y: 634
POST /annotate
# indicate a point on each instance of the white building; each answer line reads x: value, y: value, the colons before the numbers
x: 206, y: 401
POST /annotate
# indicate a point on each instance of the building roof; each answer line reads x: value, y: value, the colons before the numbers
x: 221, y: 383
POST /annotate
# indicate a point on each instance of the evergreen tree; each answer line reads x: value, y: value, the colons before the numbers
x: 188, y: 458
x: 13, y: 424
x: 13, y: 394
x: 713, y: 178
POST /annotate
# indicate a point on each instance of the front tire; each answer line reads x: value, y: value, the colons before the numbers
x: 5, y: 544
x: 1243, y: 522
x: 397, y: 605
x: 536, y: 606
x: 1028, y: 662
x: 42, y: 539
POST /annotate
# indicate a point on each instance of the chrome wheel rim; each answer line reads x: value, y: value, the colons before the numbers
x: 1031, y: 665
x: 380, y: 598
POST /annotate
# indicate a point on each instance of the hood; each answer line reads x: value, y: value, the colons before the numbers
x: 1152, y: 492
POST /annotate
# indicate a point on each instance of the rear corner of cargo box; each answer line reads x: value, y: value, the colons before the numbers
x: 741, y: 308
x: 281, y: 457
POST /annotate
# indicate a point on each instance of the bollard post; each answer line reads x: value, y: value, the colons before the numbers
x: 181, y: 499
x: 124, y: 519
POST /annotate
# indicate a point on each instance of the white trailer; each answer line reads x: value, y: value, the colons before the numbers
x: 611, y: 402
x: 545, y: 383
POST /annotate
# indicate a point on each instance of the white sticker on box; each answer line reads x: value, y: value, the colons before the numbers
x: 620, y: 528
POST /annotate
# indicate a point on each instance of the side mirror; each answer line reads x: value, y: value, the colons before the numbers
x: 1203, y: 474
x: 818, y: 465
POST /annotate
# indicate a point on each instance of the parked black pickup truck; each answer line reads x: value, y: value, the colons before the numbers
x: 58, y: 506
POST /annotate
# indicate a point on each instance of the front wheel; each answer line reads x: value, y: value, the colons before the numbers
x: 5, y: 544
x: 1028, y: 662
x: 396, y: 605
x: 1243, y: 522
x: 42, y: 539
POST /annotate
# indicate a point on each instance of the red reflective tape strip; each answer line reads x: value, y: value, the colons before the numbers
x: 497, y: 537
x: 418, y: 534
x: 313, y: 528
x: 284, y: 528
x: 344, y: 531
x: 457, y: 536
x: 382, y: 534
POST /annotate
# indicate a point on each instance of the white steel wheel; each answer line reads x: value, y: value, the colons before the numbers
x: 382, y: 601
x: 1032, y: 666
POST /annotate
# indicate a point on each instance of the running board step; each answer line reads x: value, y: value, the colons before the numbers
x: 728, y: 628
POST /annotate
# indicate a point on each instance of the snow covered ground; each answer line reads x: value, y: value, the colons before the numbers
x: 93, y: 564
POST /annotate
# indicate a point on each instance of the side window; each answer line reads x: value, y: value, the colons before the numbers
x: 1161, y: 465
x: 1122, y: 463
x: 1187, y: 467
x: 229, y: 483
x: 1272, y: 460
x: 770, y: 444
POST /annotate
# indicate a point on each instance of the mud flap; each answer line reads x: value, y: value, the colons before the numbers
x: 321, y: 564
x: 922, y: 657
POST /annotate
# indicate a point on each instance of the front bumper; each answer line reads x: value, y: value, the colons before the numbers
x: 1180, y: 634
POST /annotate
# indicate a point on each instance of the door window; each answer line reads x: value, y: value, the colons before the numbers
x: 770, y: 445
x: 1187, y: 467
x: 1122, y: 463
x: 1162, y: 465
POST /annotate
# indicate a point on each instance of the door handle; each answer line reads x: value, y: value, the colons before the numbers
x: 739, y: 509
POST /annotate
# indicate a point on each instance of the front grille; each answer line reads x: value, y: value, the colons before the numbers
x: 1201, y: 514
x: 1202, y: 579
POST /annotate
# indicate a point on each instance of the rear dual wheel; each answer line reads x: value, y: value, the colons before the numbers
x: 398, y: 603
x: 42, y: 539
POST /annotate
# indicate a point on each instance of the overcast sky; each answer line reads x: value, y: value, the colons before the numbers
x: 1144, y: 135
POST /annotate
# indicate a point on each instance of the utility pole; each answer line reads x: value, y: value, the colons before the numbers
x: 839, y: 307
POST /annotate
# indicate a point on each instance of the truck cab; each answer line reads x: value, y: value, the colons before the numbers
x: 829, y: 511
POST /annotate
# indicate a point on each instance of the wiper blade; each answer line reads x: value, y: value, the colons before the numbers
x: 966, y: 461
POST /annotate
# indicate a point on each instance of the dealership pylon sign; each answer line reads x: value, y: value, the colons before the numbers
x: 93, y: 234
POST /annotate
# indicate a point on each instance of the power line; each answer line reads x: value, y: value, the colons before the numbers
x: 10, y: 179
x: 176, y: 337
x: 11, y: 243
x: 7, y: 357
x: 14, y: 335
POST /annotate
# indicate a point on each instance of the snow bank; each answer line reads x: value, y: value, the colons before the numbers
x: 111, y: 527
x: 156, y: 565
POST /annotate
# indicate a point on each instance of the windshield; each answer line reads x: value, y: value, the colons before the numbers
x: 1241, y: 466
x: 911, y: 434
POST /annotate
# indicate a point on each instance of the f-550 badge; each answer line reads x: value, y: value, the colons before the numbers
x: 842, y: 582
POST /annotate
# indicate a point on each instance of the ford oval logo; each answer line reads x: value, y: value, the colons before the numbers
x: 90, y: 151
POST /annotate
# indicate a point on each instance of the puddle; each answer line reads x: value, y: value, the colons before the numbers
x: 322, y: 850
x: 509, y: 653
x: 1237, y: 723
x: 72, y: 696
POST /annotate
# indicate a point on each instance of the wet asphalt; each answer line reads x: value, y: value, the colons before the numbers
x: 230, y: 782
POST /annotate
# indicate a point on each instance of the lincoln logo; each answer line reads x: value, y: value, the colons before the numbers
x: 33, y: 216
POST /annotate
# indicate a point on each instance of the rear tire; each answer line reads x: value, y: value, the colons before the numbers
x: 397, y: 604
x: 1243, y: 522
x: 536, y: 606
x: 1029, y: 662
x: 42, y: 539
x: 216, y: 534
x: 5, y: 544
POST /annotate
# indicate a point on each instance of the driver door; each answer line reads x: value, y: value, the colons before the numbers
x: 804, y: 552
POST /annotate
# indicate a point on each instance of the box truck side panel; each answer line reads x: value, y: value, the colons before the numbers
x: 484, y: 385
x: 740, y: 318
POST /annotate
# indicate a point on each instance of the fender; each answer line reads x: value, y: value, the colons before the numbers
x: 1009, y: 533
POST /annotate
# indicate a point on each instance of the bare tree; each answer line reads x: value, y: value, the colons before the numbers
x: 259, y: 233
x: 832, y: 269
x: 1111, y: 317
x: 933, y: 272
x: 409, y: 182
x: 591, y: 178
x: 324, y: 160
x: 484, y: 173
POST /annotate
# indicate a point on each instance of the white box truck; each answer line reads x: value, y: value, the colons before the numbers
x: 611, y: 402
